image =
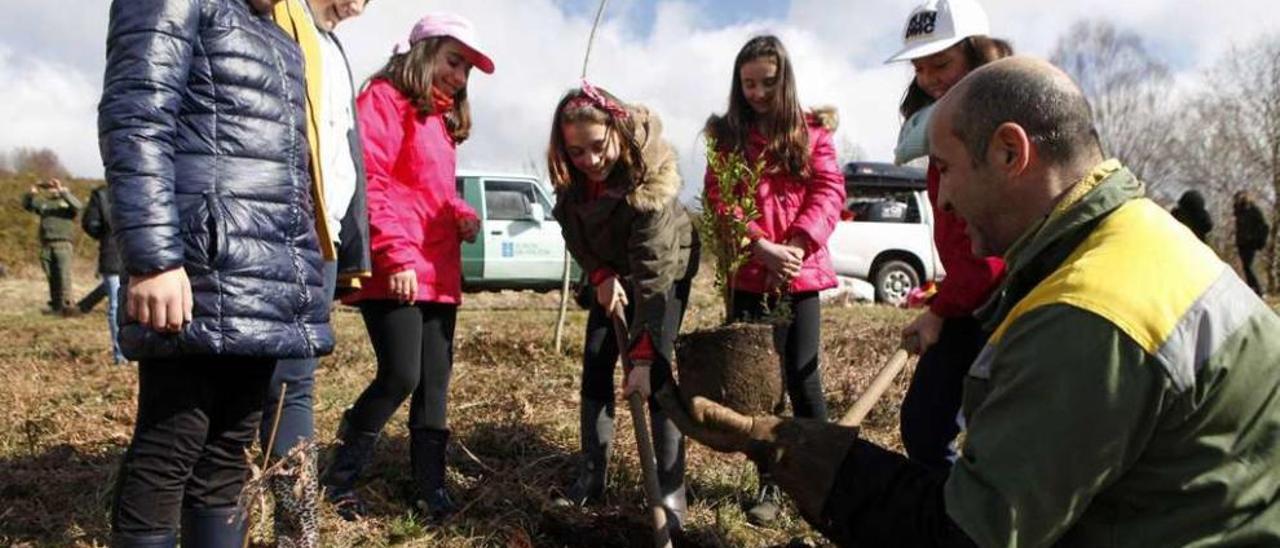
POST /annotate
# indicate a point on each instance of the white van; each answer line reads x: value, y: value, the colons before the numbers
x: 519, y: 245
x: 885, y: 233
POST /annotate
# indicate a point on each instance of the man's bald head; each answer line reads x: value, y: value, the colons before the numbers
x: 1028, y: 92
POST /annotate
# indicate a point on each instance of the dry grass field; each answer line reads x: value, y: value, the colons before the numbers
x: 68, y: 416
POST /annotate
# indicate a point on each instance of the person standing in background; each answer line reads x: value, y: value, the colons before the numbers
x: 57, y: 208
x: 97, y: 224
x: 1251, y: 235
x: 1191, y: 212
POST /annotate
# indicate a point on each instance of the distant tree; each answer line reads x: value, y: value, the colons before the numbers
x: 5, y: 169
x: 41, y: 162
x: 1242, y: 113
x: 1128, y: 89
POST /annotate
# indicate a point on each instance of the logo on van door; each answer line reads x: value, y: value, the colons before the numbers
x: 508, y: 249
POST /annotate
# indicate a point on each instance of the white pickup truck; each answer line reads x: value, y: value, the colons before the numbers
x: 885, y: 233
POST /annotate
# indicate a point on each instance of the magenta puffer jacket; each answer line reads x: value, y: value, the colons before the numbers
x: 792, y: 205
x: 414, y: 205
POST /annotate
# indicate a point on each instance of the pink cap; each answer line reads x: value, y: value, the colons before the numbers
x: 454, y: 26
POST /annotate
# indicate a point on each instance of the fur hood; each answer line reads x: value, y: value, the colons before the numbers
x: 826, y: 116
x: 663, y: 183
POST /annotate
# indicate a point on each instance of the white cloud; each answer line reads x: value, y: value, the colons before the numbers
x: 51, y: 61
x: 47, y: 104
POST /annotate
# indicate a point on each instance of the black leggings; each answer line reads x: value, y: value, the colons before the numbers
x: 196, y: 416
x: 930, y: 411
x: 801, y: 344
x: 414, y: 347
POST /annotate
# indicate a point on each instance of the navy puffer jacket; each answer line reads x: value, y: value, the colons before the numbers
x: 203, y: 136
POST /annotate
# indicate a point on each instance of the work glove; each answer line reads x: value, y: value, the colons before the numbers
x: 802, y: 455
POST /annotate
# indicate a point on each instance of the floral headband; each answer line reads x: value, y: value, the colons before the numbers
x: 592, y: 97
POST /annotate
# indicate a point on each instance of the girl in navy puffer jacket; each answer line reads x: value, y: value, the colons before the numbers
x: 203, y: 138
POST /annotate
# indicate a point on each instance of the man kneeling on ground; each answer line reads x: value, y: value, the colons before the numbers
x: 1129, y: 394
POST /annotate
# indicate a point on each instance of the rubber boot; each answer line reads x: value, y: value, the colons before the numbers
x: 427, y: 451
x: 349, y: 461
x: 595, y: 429
x: 221, y: 527
x: 668, y: 449
x: 167, y: 539
x: 297, y: 514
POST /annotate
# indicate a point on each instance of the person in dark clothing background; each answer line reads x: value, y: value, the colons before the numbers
x: 1190, y: 211
x: 97, y: 224
x: 1251, y: 235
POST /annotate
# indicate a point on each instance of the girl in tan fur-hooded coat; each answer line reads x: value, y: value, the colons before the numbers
x: 616, y: 186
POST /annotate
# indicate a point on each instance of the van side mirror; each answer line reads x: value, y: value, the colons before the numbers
x: 536, y: 213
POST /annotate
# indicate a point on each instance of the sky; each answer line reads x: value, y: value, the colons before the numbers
x: 675, y: 56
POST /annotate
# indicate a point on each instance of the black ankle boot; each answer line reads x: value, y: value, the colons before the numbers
x: 595, y: 426
x: 427, y: 447
x: 349, y: 461
x: 221, y: 527
x: 668, y: 448
x: 167, y: 539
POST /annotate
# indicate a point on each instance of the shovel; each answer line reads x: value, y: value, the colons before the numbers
x: 661, y: 537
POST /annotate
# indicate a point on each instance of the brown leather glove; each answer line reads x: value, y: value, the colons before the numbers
x: 802, y: 455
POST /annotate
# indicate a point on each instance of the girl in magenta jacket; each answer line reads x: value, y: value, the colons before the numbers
x: 799, y: 198
x: 946, y: 335
x: 413, y: 113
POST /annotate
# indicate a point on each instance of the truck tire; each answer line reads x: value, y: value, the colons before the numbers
x: 894, y: 280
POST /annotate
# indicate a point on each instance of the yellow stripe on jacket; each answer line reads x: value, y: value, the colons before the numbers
x: 292, y: 17
x: 1139, y: 269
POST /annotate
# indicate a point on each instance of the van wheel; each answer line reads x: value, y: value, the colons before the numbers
x: 894, y: 281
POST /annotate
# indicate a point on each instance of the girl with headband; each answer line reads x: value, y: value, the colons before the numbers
x: 616, y: 186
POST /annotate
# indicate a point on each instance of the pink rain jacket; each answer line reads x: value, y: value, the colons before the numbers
x: 414, y: 207
x: 791, y: 205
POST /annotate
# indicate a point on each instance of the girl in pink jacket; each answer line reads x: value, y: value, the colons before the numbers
x: 413, y: 114
x: 799, y: 198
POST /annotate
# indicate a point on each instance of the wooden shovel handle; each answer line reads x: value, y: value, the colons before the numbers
x: 648, y: 464
x: 882, y: 382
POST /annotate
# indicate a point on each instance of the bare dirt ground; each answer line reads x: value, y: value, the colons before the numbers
x: 68, y: 414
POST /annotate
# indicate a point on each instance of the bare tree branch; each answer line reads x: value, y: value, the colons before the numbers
x: 1128, y: 89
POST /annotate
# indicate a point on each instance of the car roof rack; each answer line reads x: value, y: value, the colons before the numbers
x: 884, y: 175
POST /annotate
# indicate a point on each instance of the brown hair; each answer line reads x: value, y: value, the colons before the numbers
x: 572, y: 110
x: 411, y: 73
x: 785, y: 133
x: 978, y: 51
